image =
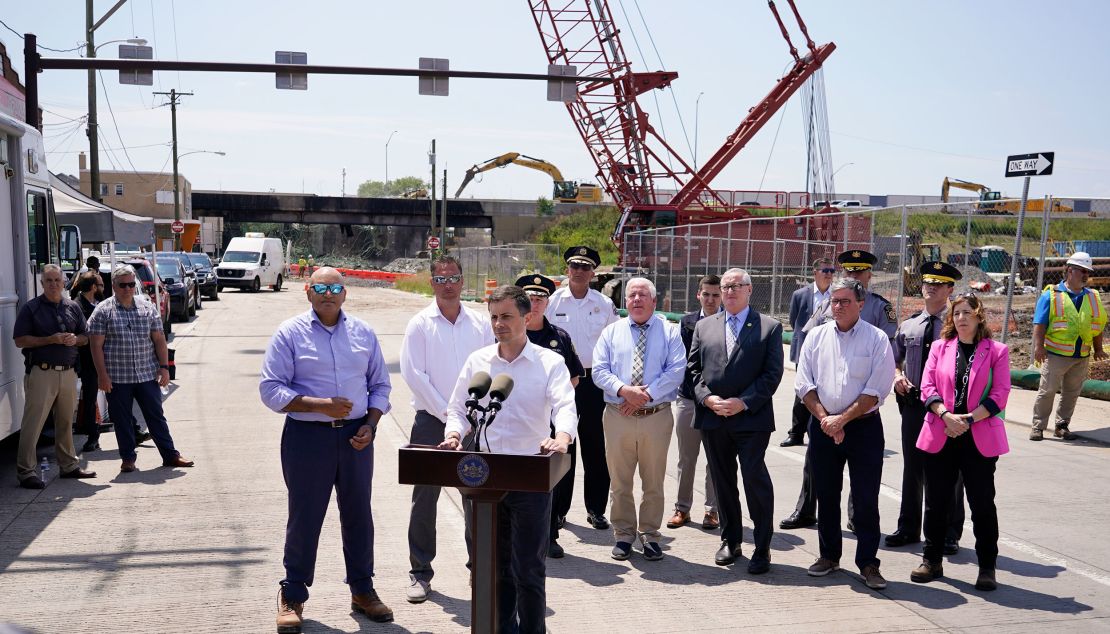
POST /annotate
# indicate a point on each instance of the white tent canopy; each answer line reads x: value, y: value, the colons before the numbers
x: 98, y: 222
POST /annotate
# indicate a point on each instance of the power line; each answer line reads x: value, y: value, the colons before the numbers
x: 45, y: 48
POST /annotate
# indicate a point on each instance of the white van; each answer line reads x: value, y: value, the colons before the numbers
x: 251, y: 262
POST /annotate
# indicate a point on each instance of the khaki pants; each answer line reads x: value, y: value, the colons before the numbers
x: 47, y: 390
x: 689, y: 446
x: 1064, y: 375
x: 632, y: 442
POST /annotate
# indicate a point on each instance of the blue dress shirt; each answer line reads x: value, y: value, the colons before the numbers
x: 305, y: 358
x: 664, y: 360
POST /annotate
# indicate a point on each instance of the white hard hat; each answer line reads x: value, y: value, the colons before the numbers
x: 1082, y: 260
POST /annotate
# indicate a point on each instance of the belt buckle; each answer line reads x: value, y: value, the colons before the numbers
x: 336, y: 424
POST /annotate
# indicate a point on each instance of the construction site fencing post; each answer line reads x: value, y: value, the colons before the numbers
x: 902, y: 263
x: 1045, y: 217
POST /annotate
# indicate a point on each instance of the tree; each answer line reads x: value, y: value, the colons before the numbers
x: 396, y: 187
x: 544, y: 207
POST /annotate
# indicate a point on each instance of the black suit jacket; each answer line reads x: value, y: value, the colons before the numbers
x: 801, y: 309
x: 686, y: 329
x: 752, y: 372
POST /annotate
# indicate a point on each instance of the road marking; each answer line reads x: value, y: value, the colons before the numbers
x: 1094, y: 574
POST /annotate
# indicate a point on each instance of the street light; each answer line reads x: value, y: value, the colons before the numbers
x: 180, y: 156
x: 90, y: 51
x: 840, y: 168
x: 387, y: 161
x: 696, y: 104
x: 176, y: 182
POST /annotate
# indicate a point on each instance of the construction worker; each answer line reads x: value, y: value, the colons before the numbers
x: 1069, y: 318
x: 302, y: 264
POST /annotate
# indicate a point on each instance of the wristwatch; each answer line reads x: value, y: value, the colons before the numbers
x: 164, y: 367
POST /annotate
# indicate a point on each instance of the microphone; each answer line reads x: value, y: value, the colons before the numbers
x: 500, y: 388
x: 479, y: 385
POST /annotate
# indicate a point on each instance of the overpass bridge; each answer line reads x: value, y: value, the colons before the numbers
x: 507, y: 220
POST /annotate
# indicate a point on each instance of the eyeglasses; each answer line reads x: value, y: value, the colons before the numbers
x: 126, y: 284
x: 580, y: 266
x: 829, y: 271
x: 841, y: 302
x: 446, y: 279
x: 733, y: 287
x: 320, y: 289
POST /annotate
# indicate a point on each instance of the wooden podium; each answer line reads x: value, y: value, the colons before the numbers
x: 483, y: 479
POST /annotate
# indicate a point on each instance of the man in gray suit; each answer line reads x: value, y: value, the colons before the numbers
x: 802, y: 304
x: 736, y: 364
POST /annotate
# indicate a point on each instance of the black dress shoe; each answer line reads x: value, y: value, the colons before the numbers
x: 727, y: 553
x: 896, y: 539
x: 78, y: 473
x: 797, y: 521
x: 554, y: 550
x: 951, y: 547
x: 597, y: 520
x: 621, y: 551
x: 90, y: 447
x: 851, y: 526
x: 760, y: 563
x: 792, y: 441
x: 32, y: 482
x: 141, y: 436
x: 560, y: 521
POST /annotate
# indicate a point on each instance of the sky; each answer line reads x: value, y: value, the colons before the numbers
x: 916, y: 91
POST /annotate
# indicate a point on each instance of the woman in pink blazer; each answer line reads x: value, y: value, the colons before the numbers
x: 964, y: 386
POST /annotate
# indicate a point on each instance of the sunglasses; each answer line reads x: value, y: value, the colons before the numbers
x: 580, y: 266
x: 446, y: 279
x: 126, y: 284
x: 320, y: 289
x: 829, y: 271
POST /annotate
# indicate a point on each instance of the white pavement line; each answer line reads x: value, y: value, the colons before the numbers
x: 1094, y: 574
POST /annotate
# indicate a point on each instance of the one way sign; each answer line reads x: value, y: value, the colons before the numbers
x: 1036, y: 164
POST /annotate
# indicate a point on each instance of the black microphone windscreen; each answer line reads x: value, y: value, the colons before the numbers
x: 501, y: 387
x: 479, y: 384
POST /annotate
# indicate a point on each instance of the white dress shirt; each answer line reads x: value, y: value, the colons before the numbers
x: 843, y: 365
x: 541, y: 393
x: 583, y: 319
x: 818, y: 296
x: 433, y: 353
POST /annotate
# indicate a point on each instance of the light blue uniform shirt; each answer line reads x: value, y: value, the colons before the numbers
x: 664, y: 360
x: 306, y: 359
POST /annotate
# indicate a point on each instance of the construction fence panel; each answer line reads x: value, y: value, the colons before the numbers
x: 505, y: 263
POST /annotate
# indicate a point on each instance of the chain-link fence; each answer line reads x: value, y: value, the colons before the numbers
x: 505, y: 263
x: 990, y: 243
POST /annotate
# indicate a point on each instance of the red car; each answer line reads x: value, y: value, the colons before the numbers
x: 146, y: 277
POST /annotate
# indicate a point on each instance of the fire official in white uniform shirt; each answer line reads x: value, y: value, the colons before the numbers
x: 541, y: 393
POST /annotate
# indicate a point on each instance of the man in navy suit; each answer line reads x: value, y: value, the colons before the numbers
x: 736, y: 364
x: 802, y: 303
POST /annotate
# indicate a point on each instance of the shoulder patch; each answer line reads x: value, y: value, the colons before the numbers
x: 890, y: 313
x: 880, y: 297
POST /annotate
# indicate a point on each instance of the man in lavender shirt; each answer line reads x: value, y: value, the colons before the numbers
x: 324, y: 369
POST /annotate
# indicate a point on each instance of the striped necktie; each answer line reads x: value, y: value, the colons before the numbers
x: 731, y: 334
x: 641, y: 350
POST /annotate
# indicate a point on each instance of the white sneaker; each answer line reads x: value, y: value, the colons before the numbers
x: 418, y: 590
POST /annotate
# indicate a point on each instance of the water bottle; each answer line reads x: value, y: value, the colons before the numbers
x: 44, y: 468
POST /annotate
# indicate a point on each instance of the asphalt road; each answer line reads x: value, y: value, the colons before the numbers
x: 199, y: 550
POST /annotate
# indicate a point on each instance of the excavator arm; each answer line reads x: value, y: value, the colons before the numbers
x: 959, y: 184
x: 516, y: 158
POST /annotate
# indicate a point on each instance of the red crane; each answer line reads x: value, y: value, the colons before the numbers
x: 633, y: 160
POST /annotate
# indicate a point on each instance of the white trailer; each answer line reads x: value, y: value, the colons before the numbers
x: 29, y: 238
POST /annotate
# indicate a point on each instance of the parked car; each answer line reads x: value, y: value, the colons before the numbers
x: 182, y: 287
x: 206, y: 275
x: 190, y: 273
x: 146, y: 277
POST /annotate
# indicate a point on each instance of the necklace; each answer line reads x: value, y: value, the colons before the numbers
x: 961, y: 394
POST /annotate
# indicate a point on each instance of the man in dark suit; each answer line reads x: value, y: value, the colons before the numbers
x: 802, y: 304
x: 736, y: 364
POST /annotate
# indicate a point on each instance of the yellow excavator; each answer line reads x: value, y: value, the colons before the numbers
x: 565, y: 191
x: 991, y: 202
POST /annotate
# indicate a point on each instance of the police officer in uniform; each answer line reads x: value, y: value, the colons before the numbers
x: 584, y: 313
x: 543, y: 334
x: 876, y: 311
x: 911, y: 349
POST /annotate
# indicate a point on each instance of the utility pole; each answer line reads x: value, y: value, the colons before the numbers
x: 432, y: 161
x: 443, y: 217
x: 94, y: 145
x: 343, y: 187
x: 173, y: 95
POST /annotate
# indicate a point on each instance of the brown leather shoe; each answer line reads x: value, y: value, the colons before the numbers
x: 289, y: 615
x: 370, y: 605
x: 711, y: 521
x: 680, y: 518
x: 128, y: 466
x: 178, y: 462
x: 78, y: 473
x: 927, y: 572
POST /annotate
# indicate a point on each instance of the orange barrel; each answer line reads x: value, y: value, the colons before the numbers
x: 490, y: 286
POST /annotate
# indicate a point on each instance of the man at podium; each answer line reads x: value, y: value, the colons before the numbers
x: 541, y: 392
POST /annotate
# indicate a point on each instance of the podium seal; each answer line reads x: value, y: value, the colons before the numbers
x: 473, y: 470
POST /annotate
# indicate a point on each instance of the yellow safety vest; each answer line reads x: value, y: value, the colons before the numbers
x: 1066, y: 324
